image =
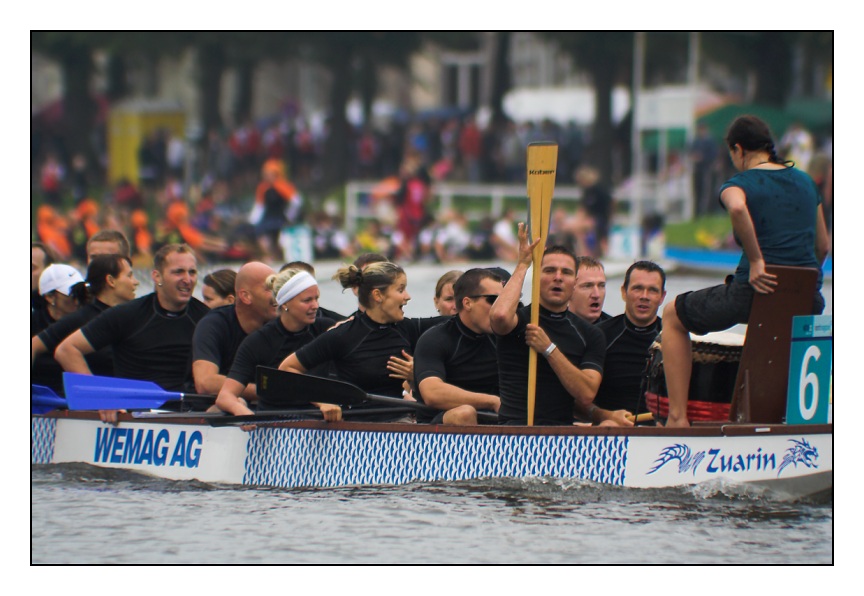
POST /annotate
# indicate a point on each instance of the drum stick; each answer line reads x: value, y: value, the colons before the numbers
x: 640, y: 418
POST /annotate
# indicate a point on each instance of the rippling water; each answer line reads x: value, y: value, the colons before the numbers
x: 86, y: 515
x: 471, y: 522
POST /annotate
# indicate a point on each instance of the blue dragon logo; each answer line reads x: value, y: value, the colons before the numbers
x: 801, y: 452
x: 686, y: 459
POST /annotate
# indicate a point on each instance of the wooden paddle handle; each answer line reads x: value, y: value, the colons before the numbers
x: 541, y: 162
x: 640, y: 418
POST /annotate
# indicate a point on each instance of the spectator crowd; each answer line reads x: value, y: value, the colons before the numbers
x: 213, y: 194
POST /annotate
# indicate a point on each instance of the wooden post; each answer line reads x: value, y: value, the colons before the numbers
x: 763, y: 374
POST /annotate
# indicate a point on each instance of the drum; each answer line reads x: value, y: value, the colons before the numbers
x: 715, y: 365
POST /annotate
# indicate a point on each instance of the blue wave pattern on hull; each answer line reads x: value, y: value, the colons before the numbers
x: 42, y: 433
x: 305, y: 457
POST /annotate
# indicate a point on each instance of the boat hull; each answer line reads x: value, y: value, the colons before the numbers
x: 790, y: 461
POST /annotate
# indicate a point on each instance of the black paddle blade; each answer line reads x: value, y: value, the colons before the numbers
x: 278, y: 389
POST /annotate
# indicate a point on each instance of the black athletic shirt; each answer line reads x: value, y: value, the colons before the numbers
x: 47, y: 371
x: 458, y: 356
x: 150, y: 343
x: 324, y: 313
x: 217, y: 337
x: 582, y: 343
x: 270, y: 345
x: 360, y: 349
x: 626, y: 354
x: 39, y: 317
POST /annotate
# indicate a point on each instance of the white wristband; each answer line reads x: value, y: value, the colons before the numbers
x: 548, y: 351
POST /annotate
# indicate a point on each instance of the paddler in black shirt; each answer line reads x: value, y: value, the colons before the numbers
x: 629, y: 337
x: 296, y: 294
x: 570, y: 366
x: 151, y: 336
x: 219, y: 334
x: 589, y: 294
x: 455, y: 363
x: 110, y: 281
x: 361, y: 347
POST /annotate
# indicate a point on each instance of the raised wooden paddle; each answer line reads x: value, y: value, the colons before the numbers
x: 542, y: 161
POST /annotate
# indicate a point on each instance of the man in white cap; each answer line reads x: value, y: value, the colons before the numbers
x: 151, y: 336
x: 61, y: 290
x: 57, y: 288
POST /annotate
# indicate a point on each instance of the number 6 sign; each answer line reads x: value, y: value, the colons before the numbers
x: 810, y: 369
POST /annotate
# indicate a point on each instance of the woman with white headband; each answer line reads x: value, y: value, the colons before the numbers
x: 296, y: 294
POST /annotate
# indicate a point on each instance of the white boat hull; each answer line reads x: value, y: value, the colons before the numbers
x: 790, y: 461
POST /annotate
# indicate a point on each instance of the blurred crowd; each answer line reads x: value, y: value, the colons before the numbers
x: 237, y: 193
x: 232, y: 195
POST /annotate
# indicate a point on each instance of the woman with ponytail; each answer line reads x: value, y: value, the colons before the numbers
x: 110, y: 281
x: 777, y: 217
x: 361, y: 348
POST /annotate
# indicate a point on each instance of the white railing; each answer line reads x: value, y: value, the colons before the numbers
x: 474, y: 200
x: 490, y: 200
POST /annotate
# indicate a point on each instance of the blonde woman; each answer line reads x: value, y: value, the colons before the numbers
x: 296, y: 293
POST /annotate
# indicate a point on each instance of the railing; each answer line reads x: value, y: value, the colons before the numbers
x: 477, y: 201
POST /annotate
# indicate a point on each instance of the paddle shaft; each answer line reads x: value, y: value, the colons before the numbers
x: 489, y: 417
x: 279, y: 388
x: 542, y: 159
x: 300, y: 414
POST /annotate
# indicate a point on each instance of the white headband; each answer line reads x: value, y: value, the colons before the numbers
x: 295, y: 285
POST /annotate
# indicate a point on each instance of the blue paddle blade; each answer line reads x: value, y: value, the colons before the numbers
x: 44, y: 399
x: 90, y: 392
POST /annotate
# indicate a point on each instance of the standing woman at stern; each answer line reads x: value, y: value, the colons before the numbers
x: 777, y: 218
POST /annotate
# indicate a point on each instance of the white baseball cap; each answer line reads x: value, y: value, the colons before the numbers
x: 59, y: 277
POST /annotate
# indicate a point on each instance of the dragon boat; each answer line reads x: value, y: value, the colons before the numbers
x: 787, y: 461
x: 774, y: 433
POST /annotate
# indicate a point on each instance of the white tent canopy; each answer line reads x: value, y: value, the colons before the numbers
x: 661, y: 107
x: 561, y: 105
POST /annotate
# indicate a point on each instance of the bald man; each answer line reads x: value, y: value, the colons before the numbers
x: 221, y: 331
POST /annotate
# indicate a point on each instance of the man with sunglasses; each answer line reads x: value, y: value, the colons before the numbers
x: 455, y: 363
x: 571, y: 350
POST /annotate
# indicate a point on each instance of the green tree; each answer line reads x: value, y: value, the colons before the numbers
x: 347, y: 57
x: 769, y: 57
x: 73, y: 51
x: 501, y: 79
x: 607, y: 58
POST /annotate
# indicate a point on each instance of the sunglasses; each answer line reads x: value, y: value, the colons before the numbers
x: 490, y: 298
